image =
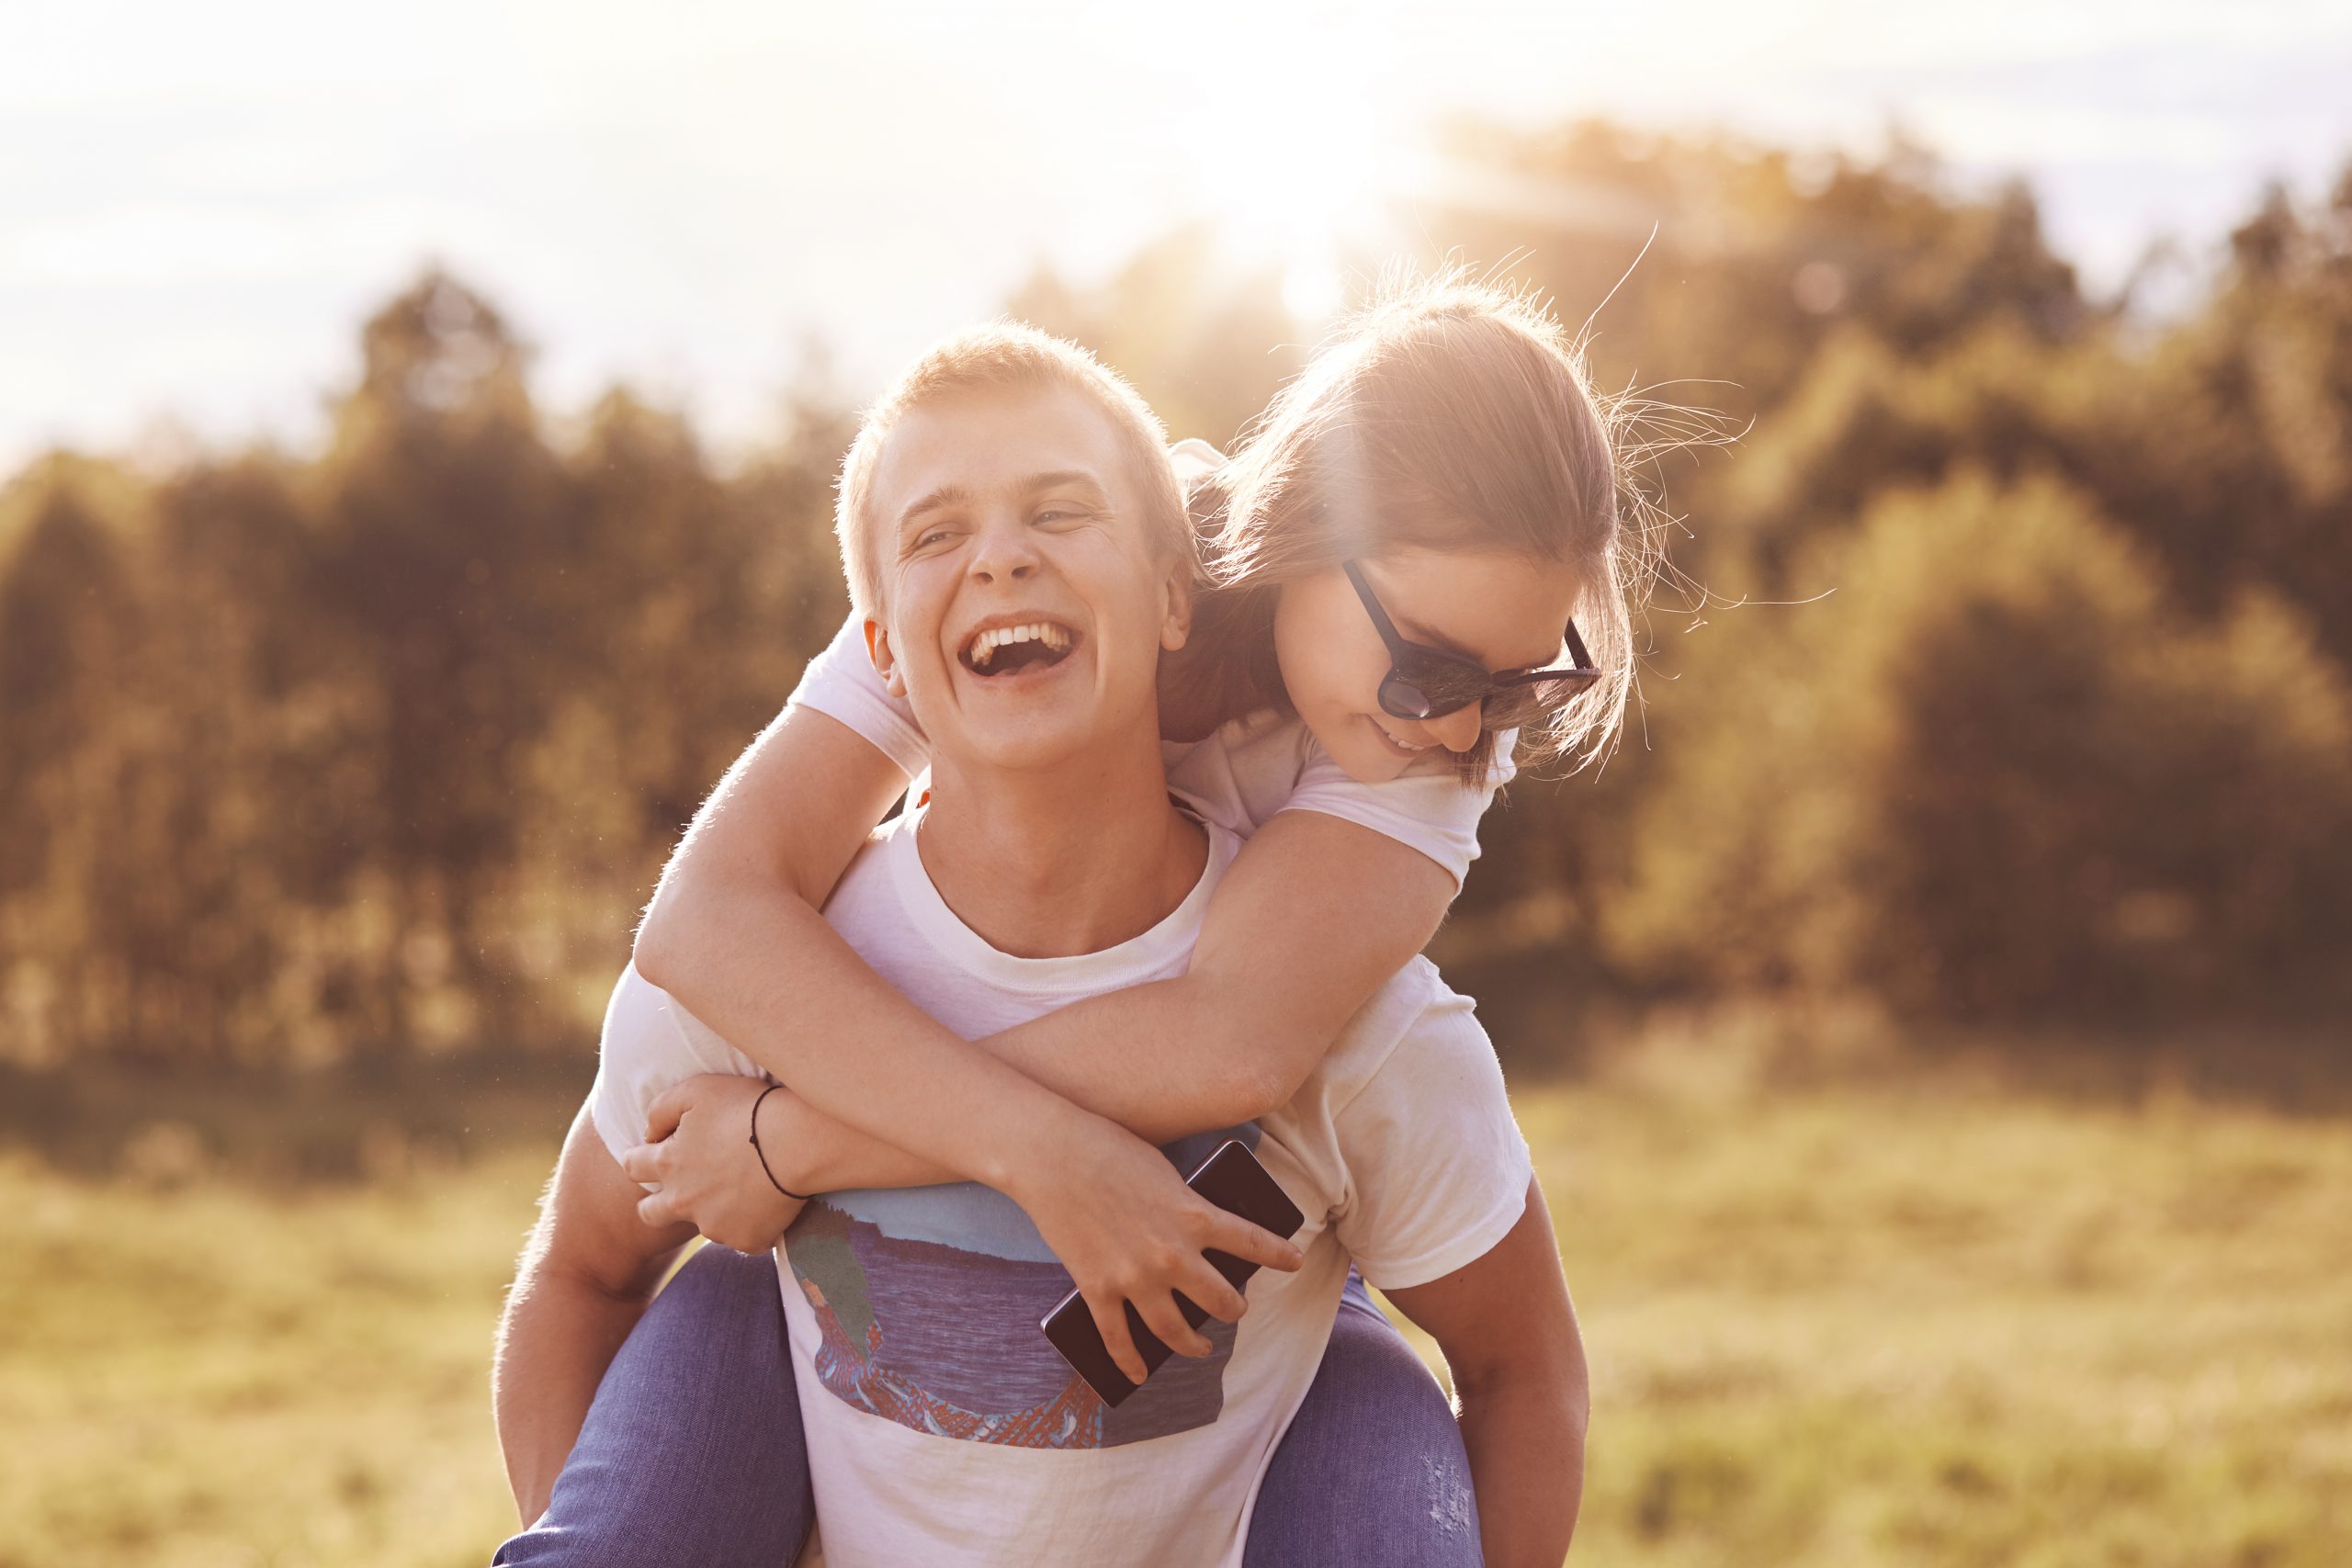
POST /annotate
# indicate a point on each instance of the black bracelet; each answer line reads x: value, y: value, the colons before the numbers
x: 797, y: 1197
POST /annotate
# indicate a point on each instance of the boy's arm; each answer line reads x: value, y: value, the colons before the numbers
x: 1510, y: 1337
x: 584, y: 1279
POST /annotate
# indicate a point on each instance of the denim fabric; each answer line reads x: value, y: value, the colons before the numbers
x: 691, y: 1453
x: 1372, y: 1472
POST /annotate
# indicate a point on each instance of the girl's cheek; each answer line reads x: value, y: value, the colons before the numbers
x: 1322, y: 664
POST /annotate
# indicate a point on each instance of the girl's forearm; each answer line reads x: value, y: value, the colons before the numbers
x: 826, y: 1154
x: 1268, y: 989
x: 764, y: 969
x: 776, y: 980
x: 1313, y: 916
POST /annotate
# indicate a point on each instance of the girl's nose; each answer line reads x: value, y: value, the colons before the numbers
x: 1457, y: 731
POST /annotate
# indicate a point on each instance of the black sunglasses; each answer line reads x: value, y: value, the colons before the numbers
x: 1429, y: 683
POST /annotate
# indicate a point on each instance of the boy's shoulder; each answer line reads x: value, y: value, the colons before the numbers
x: 867, y: 879
x: 1408, y: 1132
x: 1413, y: 1024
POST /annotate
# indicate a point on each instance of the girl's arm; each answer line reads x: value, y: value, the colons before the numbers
x: 1314, y: 914
x: 1275, y: 968
x: 1312, y: 917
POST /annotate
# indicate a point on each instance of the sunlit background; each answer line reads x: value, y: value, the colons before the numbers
x: 197, y: 202
x: 416, y: 433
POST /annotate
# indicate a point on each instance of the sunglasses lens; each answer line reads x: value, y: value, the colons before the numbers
x: 1399, y: 698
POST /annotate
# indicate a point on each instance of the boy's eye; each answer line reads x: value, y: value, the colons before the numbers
x: 931, y: 536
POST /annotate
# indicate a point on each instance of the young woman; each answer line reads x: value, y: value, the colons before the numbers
x: 1392, y: 562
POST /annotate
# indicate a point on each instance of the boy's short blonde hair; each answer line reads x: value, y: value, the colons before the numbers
x: 1009, y: 354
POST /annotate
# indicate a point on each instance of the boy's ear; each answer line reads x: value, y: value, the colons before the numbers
x: 877, y: 649
x: 1176, y: 621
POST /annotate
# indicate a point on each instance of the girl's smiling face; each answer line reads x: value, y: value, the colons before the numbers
x: 1504, y: 611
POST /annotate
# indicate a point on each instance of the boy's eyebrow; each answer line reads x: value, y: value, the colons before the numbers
x: 953, y: 494
x: 945, y: 495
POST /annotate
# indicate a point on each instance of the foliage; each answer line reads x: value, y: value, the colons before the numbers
x: 2000, y: 773
x: 372, y: 752
x: 375, y: 754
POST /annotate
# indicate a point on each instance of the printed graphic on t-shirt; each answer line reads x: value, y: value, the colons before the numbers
x: 928, y: 1300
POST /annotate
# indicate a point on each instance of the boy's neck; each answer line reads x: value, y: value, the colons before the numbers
x: 1071, y: 860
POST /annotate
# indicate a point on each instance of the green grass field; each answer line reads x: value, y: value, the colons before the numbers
x: 1922, y: 1321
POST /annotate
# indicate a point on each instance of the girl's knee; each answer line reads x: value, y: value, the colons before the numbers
x: 1370, y: 1371
x: 1373, y: 1471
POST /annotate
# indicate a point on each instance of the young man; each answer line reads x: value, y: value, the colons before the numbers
x: 1050, y: 862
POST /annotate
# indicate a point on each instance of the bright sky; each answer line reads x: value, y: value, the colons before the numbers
x: 198, y: 203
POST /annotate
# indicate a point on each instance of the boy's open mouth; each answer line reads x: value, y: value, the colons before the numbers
x: 1010, y: 649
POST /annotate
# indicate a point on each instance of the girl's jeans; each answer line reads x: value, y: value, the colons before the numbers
x: 692, y: 1452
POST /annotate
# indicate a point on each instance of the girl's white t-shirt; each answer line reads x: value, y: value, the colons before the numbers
x: 942, y: 1427
x: 1238, y: 777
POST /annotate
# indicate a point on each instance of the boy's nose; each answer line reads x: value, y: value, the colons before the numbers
x: 1006, y: 554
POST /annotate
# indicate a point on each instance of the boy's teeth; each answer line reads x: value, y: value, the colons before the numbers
x: 984, y: 646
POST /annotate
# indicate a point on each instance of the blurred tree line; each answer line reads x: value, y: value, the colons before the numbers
x: 378, y: 750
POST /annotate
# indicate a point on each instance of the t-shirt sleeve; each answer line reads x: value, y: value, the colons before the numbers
x: 1437, y: 1169
x: 1427, y: 806
x: 1193, y: 460
x: 841, y: 684
x: 650, y: 1045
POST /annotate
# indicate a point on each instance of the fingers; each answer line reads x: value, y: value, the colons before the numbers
x: 1162, y: 1317
x: 661, y: 1117
x: 645, y: 1162
x: 1231, y: 1233
x: 1213, y: 1292
x: 1112, y: 1324
x: 658, y: 1209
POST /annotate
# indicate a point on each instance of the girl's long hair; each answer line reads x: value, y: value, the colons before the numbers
x: 1447, y: 414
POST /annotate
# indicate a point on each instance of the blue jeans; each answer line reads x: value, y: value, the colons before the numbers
x: 691, y: 1453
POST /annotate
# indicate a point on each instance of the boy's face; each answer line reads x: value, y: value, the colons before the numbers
x: 1024, y: 606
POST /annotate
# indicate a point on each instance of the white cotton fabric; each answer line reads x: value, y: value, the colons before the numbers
x: 1400, y: 1149
x: 1239, y: 777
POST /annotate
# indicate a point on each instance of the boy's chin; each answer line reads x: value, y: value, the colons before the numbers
x: 1030, y: 747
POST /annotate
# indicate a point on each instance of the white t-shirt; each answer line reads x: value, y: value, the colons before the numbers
x: 942, y: 1427
x: 1238, y: 777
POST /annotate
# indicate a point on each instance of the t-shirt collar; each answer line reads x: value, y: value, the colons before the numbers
x: 1147, y: 955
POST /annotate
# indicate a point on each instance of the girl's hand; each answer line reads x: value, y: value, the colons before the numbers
x: 1127, y: 1228
x: 699, y: 1149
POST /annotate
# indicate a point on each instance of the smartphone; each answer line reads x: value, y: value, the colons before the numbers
x: 1232, y: 1180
